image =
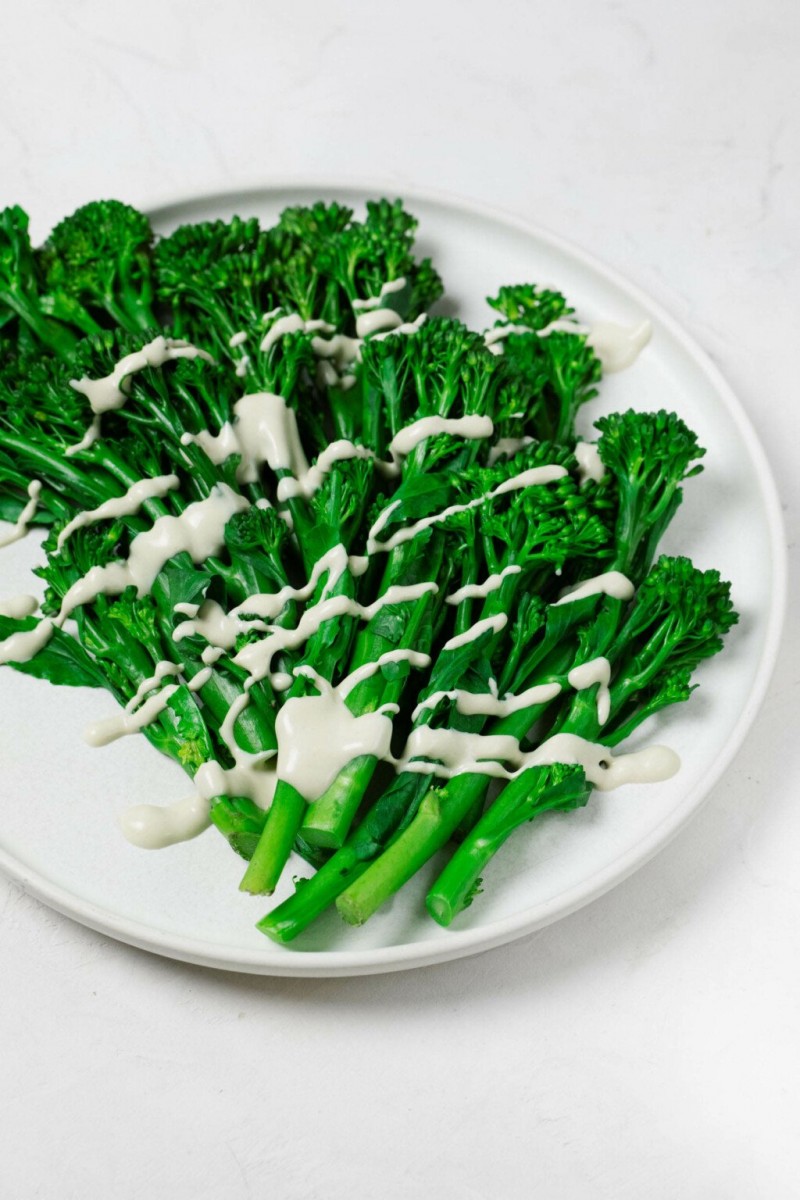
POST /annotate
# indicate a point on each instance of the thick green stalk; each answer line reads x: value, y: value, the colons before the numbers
x: 275, y: 844
x: 288, y: 808
x: 520, y: 801
x: 436, y: 821
x: 439, y: 816
x: 329, y: 818
x: 386, y: 816
x: 57, y: 337
x: 313, y: 896
x: 448, y: 809
x: 53, y: 466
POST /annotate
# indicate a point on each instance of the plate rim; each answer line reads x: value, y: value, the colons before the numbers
x: 462, y: 943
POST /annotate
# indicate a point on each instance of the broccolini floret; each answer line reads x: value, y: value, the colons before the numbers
x: 100, y: 257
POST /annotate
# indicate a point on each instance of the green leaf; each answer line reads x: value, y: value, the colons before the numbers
x: 62, y: 661
x: 179, y: 585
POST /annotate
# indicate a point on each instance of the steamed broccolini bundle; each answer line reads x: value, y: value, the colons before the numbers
x: 303, y: 528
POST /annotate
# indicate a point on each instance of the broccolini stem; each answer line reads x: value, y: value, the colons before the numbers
x: 521, y: 800
x: 439, y: 816
x: 329, y: 818
x: 388, y: 814
x: 56, y: 468
x: 436, y: 821
x: 313, y: 896
x: 275, y: 844
x: 56, y: 337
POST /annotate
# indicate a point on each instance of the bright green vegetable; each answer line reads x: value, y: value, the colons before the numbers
x: 547, y: 643
x: 279, y: 376
x: 677, y: 619
x: 100, y: 259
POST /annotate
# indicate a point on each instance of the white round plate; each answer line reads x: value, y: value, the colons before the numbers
x: 58, y: 832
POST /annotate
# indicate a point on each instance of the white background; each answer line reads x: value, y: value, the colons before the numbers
x: 647, y: 1046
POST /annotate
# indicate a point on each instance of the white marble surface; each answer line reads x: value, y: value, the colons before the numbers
x: 648, y: 1045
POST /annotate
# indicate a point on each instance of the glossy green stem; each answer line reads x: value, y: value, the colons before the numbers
x: 275, y: 845
x: 329, y: 818
x: 313, y: 896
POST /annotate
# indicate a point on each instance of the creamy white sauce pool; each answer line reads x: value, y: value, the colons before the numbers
x: 18, y: 607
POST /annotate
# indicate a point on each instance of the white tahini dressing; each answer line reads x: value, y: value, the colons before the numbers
x: 472, y: 428
x: 18, y: 607
x: 617, y: 346
x: 199, y: 530
x: 388, y: 289
x: 23, y: 646
x: 110, y: 729
x: 324, y: 720
x: 494, y: 338
x: 479, y: 591
x: 488, y: 624
x: 256, y: 658
x: 164, y: 670
x: 220, y: 629
x: 154, y: 827
x: 450, y: 752
x: 376, y: 320
x: 405, y: 329
x: 310, y: 480
x: 611, y: 583
x: 210, y: 621
x: 590, y: 464
x: 255, y: 782
x: 236, y: 340
x: 139, y: 712
x: 507, y: 447
x: 291, y: 323
x: 489, y: 704
x: 122, y: 506
x: 414, y: 658
x: 111, y: 392
x: 20, y: 526
x: 89, y: 438
x: 264, y: 432
x: 530, y: 478
x: 338, y: 352
x: 588, y: 674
